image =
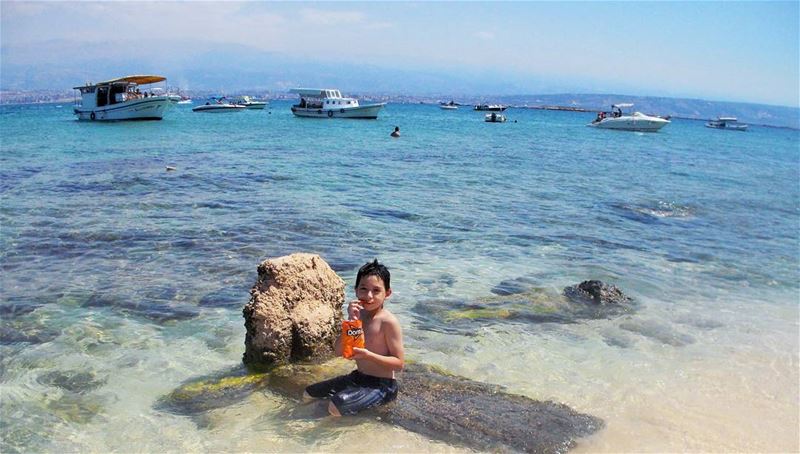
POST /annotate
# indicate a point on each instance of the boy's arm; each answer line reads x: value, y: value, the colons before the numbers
x: 395, y: 360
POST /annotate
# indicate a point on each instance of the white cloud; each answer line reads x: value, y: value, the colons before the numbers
x: 323, y: 17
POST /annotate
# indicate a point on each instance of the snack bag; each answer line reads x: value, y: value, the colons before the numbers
x: 352, y: 336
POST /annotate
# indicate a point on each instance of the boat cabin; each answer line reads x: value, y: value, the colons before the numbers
x: 322, y: 98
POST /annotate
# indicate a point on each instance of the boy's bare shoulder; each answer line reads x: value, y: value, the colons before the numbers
x: 386, y: 316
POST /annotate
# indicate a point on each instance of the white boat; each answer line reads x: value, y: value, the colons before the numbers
x: 448, y: 105
x: 491, y: 107
x: 329, y: 103
x: 249, y: 102
x: 495, y: 117
x: 184, y: 100
x: 124, y: 99
x: 727, y: 123
x: 218, y: 104
x: 636, y: 121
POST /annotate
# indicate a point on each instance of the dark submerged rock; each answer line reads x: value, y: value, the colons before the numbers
x: 224, y: 297
x: 431, y: 402
x: 10, y: 335
x: 596, y: 292
x: 518, y: 301
x: 73, y: 381
x: 484, y: 417
x: 157, y: 312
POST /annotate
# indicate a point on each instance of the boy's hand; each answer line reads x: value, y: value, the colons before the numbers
x: 354, y: 310
x: 360, y: 353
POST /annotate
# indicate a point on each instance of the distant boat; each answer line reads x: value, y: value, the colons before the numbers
x: 491, y: 107
x: 726, y: 123
x: 122, y: 99
x: 495, y: 118
x: 218, y: 104
x: 329, y: 103
x: 452, y: 105
x: 185, y: 100
x: 636, y: 121
x: 249, y: 102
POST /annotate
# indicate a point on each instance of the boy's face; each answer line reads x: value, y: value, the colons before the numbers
x: 371, y: 292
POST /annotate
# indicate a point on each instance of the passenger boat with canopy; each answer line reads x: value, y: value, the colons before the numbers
x: 329, y: 103
x: 727, y: 123
x: 124, y: 98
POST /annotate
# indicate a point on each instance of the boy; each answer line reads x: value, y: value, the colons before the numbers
x: 373, y: 383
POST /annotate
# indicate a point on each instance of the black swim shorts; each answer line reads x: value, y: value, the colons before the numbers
x: 355, y: 391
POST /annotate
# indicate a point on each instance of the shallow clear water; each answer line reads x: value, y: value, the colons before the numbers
x: 121, y: 280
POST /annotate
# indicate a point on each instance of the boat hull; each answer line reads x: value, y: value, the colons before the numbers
x: 364, y: 112
x: 729, y: 127
x: 152, y: 108
x: 631, y: 124
x: 255, y: 105
x: 216, y: 108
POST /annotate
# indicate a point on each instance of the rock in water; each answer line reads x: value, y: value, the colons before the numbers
x: 596, y: 292
x: 294, y: 311
x: 432, y: 402
x: 481, y: 416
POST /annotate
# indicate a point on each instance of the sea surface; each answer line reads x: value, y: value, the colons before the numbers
x: 122, y: 280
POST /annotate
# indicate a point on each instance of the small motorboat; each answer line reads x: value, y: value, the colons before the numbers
x: 727, y: 123
x: 636, y: 121
x: 491, y: 107
x: 495, y: 117
x: 448, y: 105
x: 218, y: 104
x: 249, y: 102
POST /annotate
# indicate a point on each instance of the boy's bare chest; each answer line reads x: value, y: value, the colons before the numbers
x: 373, y: 333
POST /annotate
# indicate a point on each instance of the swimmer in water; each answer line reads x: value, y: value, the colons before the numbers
x: 396, y: 132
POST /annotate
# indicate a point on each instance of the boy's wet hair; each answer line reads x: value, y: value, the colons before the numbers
x: 374, y: 268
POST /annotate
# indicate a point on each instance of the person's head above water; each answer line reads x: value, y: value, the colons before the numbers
x: 374, y: 268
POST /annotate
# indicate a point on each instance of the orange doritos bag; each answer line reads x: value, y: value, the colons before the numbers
x: 352, y: 336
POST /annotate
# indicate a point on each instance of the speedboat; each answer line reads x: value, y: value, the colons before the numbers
x: 727, y: 123
x: 448, y: 105
x: 124, y: 99
x: 329, y: 103
x: 636, y: 121
x: 218, y: 104
x: 491, y: 107
x: 495, y: 118
x: 249, y: 102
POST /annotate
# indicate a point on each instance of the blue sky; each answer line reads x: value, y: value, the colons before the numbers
x: 733, y: 51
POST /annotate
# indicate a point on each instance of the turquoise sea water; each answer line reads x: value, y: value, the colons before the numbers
x: 121, y: 280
